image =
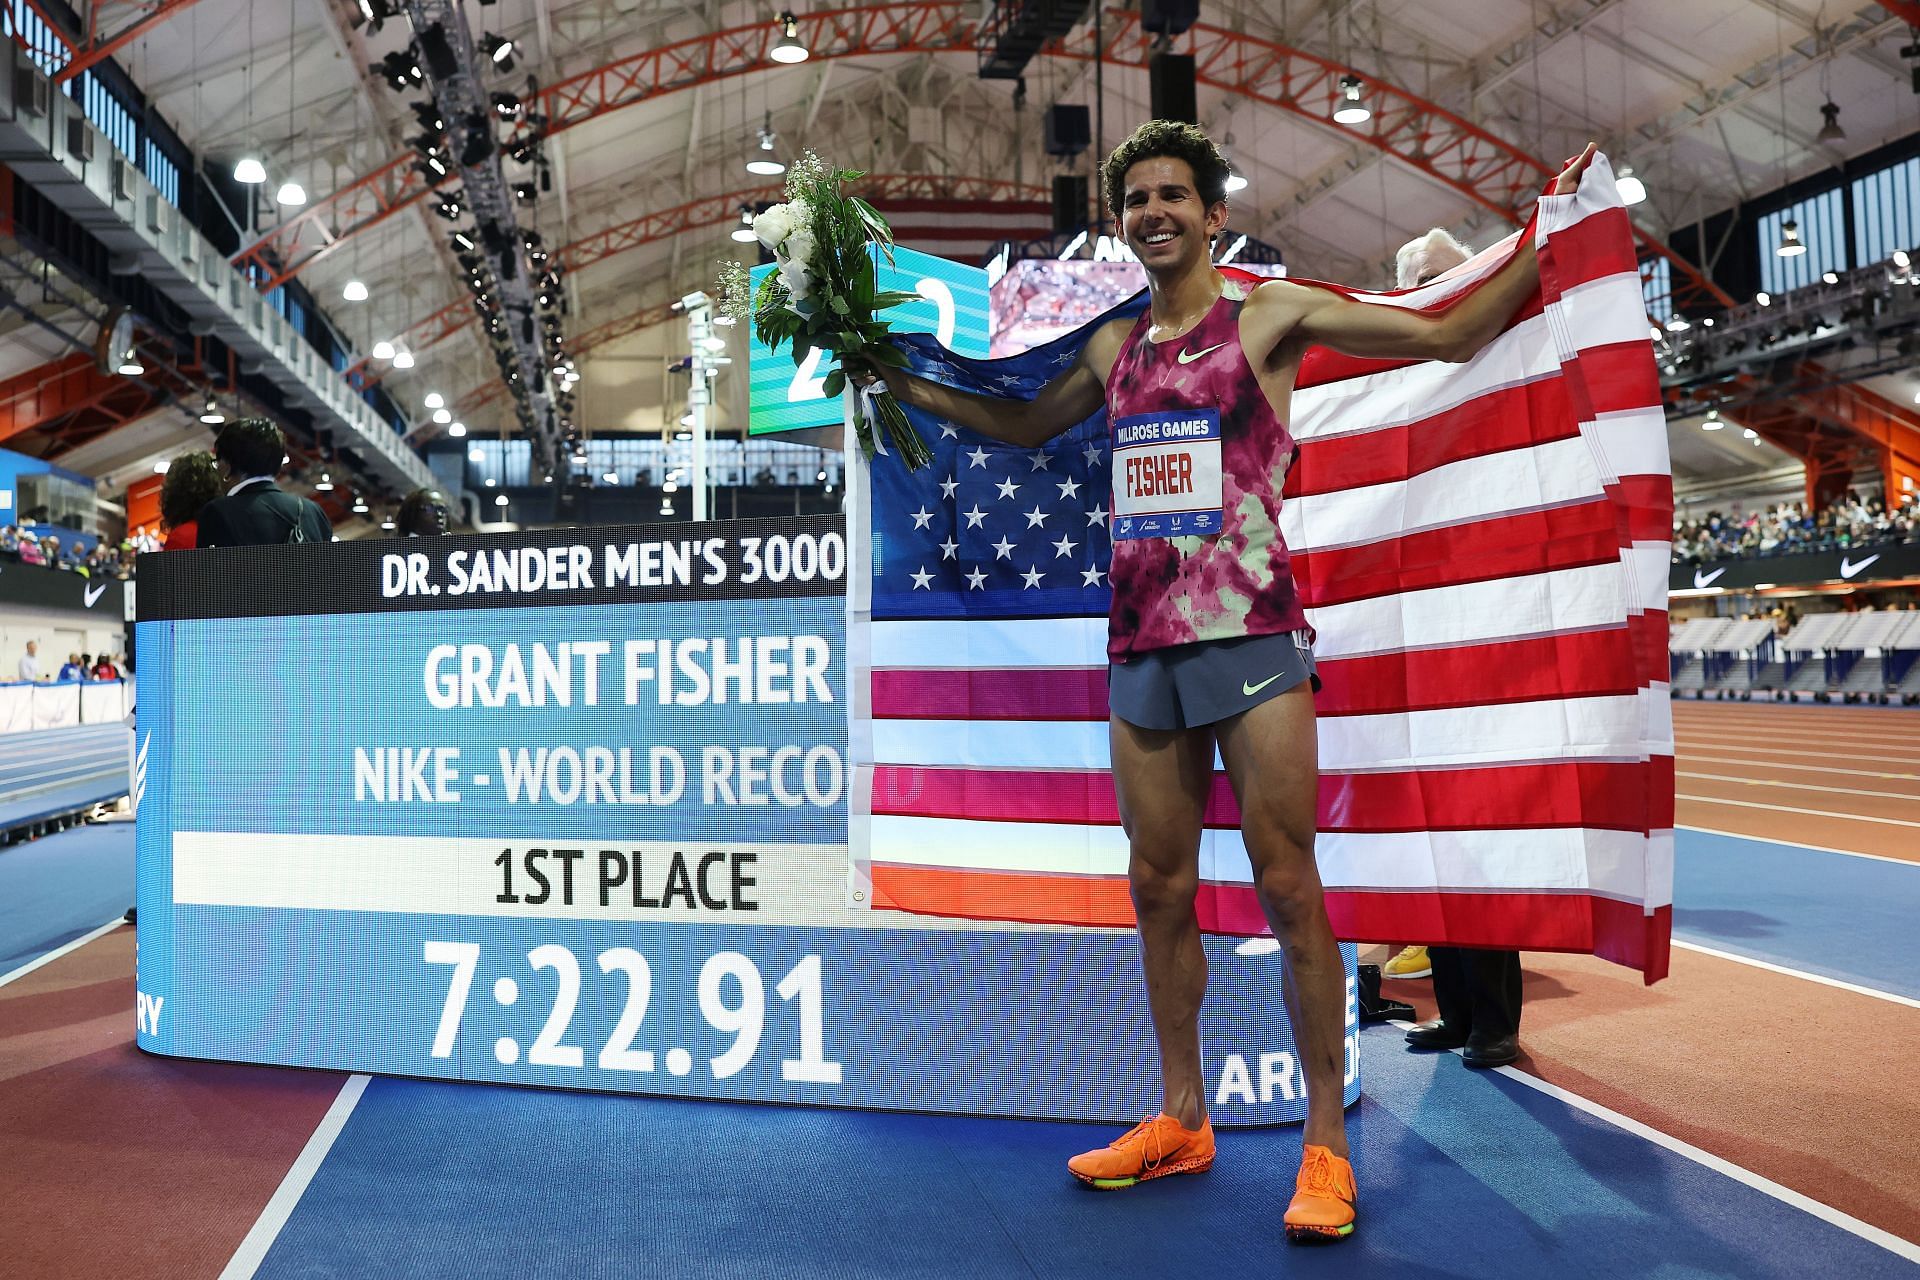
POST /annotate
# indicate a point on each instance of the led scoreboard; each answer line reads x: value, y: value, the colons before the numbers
x: 571, y: 808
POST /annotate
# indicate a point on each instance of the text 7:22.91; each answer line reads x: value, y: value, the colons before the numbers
x: 744, y: 1021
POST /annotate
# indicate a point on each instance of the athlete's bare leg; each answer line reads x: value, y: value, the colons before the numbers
x: 1271, y: 759
x: 1161, y: 778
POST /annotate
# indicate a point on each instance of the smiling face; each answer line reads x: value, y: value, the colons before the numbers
x: 1163, y: 217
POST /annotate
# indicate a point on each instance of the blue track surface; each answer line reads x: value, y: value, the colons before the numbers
x: 1825, y: 913
x: 57, y: 888
x: 433, y: 1180
x: 58, y: 771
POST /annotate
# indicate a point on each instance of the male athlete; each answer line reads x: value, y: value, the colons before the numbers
x: 1207, y: 642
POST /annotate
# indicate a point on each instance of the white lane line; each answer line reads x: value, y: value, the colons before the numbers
x: 253, y: 1250
x: 1796, y: 844
x: 1820, y: 978
x: 1787, y: 808
x: 1797, y: 768
x: 57, y: 952
x: 1800, y: 786
x: 1683, y: 743
x: 1726, y: 1168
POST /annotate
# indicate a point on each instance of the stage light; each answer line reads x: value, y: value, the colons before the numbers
x: 462, y: 242
x: 506, y: 105
x: 1790, y: 246
x: 1350, y: 110
x: 354, y: 291
x: 250, y: 171
x: 383, y: 350
x: 1677, y: 323
x: 428, y: 114
x: 433, y: 166
x: 499, y: 51
x: 1632, y: 190
x: 479, y: 141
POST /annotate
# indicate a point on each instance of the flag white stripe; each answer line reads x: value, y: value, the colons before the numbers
x: 1437, y: 617
x: 1612, y: 863
x: 1605, y: 728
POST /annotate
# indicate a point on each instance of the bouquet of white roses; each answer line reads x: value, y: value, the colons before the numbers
x: 823, y: 293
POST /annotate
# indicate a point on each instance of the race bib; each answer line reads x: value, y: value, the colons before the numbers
x: 1166, y: 474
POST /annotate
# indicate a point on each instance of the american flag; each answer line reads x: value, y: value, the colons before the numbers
x: 1482, y: 549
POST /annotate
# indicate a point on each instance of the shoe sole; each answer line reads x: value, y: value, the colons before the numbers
x: 1424, y: 973
x: 1318, y: 1235
x: 1197, y: 1165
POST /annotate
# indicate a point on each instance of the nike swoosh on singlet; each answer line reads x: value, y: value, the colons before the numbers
x: 1188, y: 357
x: 1248, y: 690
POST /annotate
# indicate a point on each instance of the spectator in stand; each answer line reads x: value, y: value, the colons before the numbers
x: 193, y: 480
x: 1791, y: 528
x: 423, y: 514
x: 30, y: 550
x: 255, y: 512
x: 141, y: 540
x: 86, y: 666
x: 30, y: 662
x: 72, y: 670
x: 10, y: 539
x: 105, y: 670
x: 50, y: 552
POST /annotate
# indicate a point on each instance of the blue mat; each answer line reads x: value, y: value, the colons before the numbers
x: 58, y: 888
x: 431, y: 1180
x: 1825, y: 913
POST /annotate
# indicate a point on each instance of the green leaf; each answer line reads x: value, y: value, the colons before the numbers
x: 886, y: 355
x: 893, y: 298
x: 838, y: 303
x: 834, y: 383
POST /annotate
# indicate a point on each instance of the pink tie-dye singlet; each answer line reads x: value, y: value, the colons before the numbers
x: 1214, y: 586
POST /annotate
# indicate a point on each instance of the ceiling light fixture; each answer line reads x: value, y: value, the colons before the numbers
x: 500, y: 500
x: 129, y: 364
x: 211, y: 415
x: 403, y: 359
x: 1235, y: 183
x: 435, y: 400
x: 788, y: 48
x: 744, y: 232
x: 764, y: 162
x: 456, y: 430
x: 354, y: 291
x: 1349, y: 108
x: 1764, y: 298
x: 290, y: 193
x: 383, y: 350
x: 250, y: 171
x: 1712, y: 422
x: 1790, y: 245
x: 1831, y: 130
x: 1632, y: 190
x: 326, y: 483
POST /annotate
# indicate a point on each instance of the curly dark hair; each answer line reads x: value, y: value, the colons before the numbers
x: 1174, y: 139
x: 192, y: 482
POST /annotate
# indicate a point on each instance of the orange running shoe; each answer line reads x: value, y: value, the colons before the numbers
x: 1154, y: 1148
x: 1323, y: 1199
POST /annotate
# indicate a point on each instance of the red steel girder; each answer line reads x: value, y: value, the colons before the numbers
x: 95, y: 47
x: 324, y: 225
x: 1908, y: 11
x: 1483, y: 168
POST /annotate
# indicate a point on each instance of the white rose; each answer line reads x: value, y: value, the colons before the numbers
x: 773, y: 225
x: 800, y: 245
x: 794, y: 276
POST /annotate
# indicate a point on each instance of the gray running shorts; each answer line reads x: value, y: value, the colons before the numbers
x: 1190, y: 685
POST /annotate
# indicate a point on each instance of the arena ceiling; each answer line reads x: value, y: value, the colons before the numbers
x: 1710, y: 101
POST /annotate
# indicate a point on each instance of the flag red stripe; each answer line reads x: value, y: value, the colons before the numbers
x: 1567, y: 537
x: 1575, y: 665
x: 1576, y: 793
x: 1597, y: 246
x: 1509, y: 418
x: 1619, y: 931
x: 1613, y: 378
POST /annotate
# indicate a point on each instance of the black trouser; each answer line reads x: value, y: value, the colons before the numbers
x: 1477, y: 991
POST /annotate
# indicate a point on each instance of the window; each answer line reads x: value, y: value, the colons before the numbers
x: 42, y: 45
x: 1886, y: 211
x: 1822, y: 229
x: 1656, y: 288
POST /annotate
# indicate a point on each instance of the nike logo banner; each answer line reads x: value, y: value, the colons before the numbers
x: 1470, y: 541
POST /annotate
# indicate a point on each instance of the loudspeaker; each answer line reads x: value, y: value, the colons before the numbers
x: 1170, y: 87
x: 1069, y: 201
x: 1069, y: 130
x: 1168, y: 17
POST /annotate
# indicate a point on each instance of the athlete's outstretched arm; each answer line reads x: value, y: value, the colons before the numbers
x: 1068, y: 400
x: 1282, y: 312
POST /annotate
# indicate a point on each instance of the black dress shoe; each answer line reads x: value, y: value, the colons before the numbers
x: 1491, y: 1051
x: 1436, y: 1035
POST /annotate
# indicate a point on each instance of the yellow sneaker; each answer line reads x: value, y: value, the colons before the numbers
x: 1322, y: 1208
x: 1412, y: 962
x: 1154, y: 1148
